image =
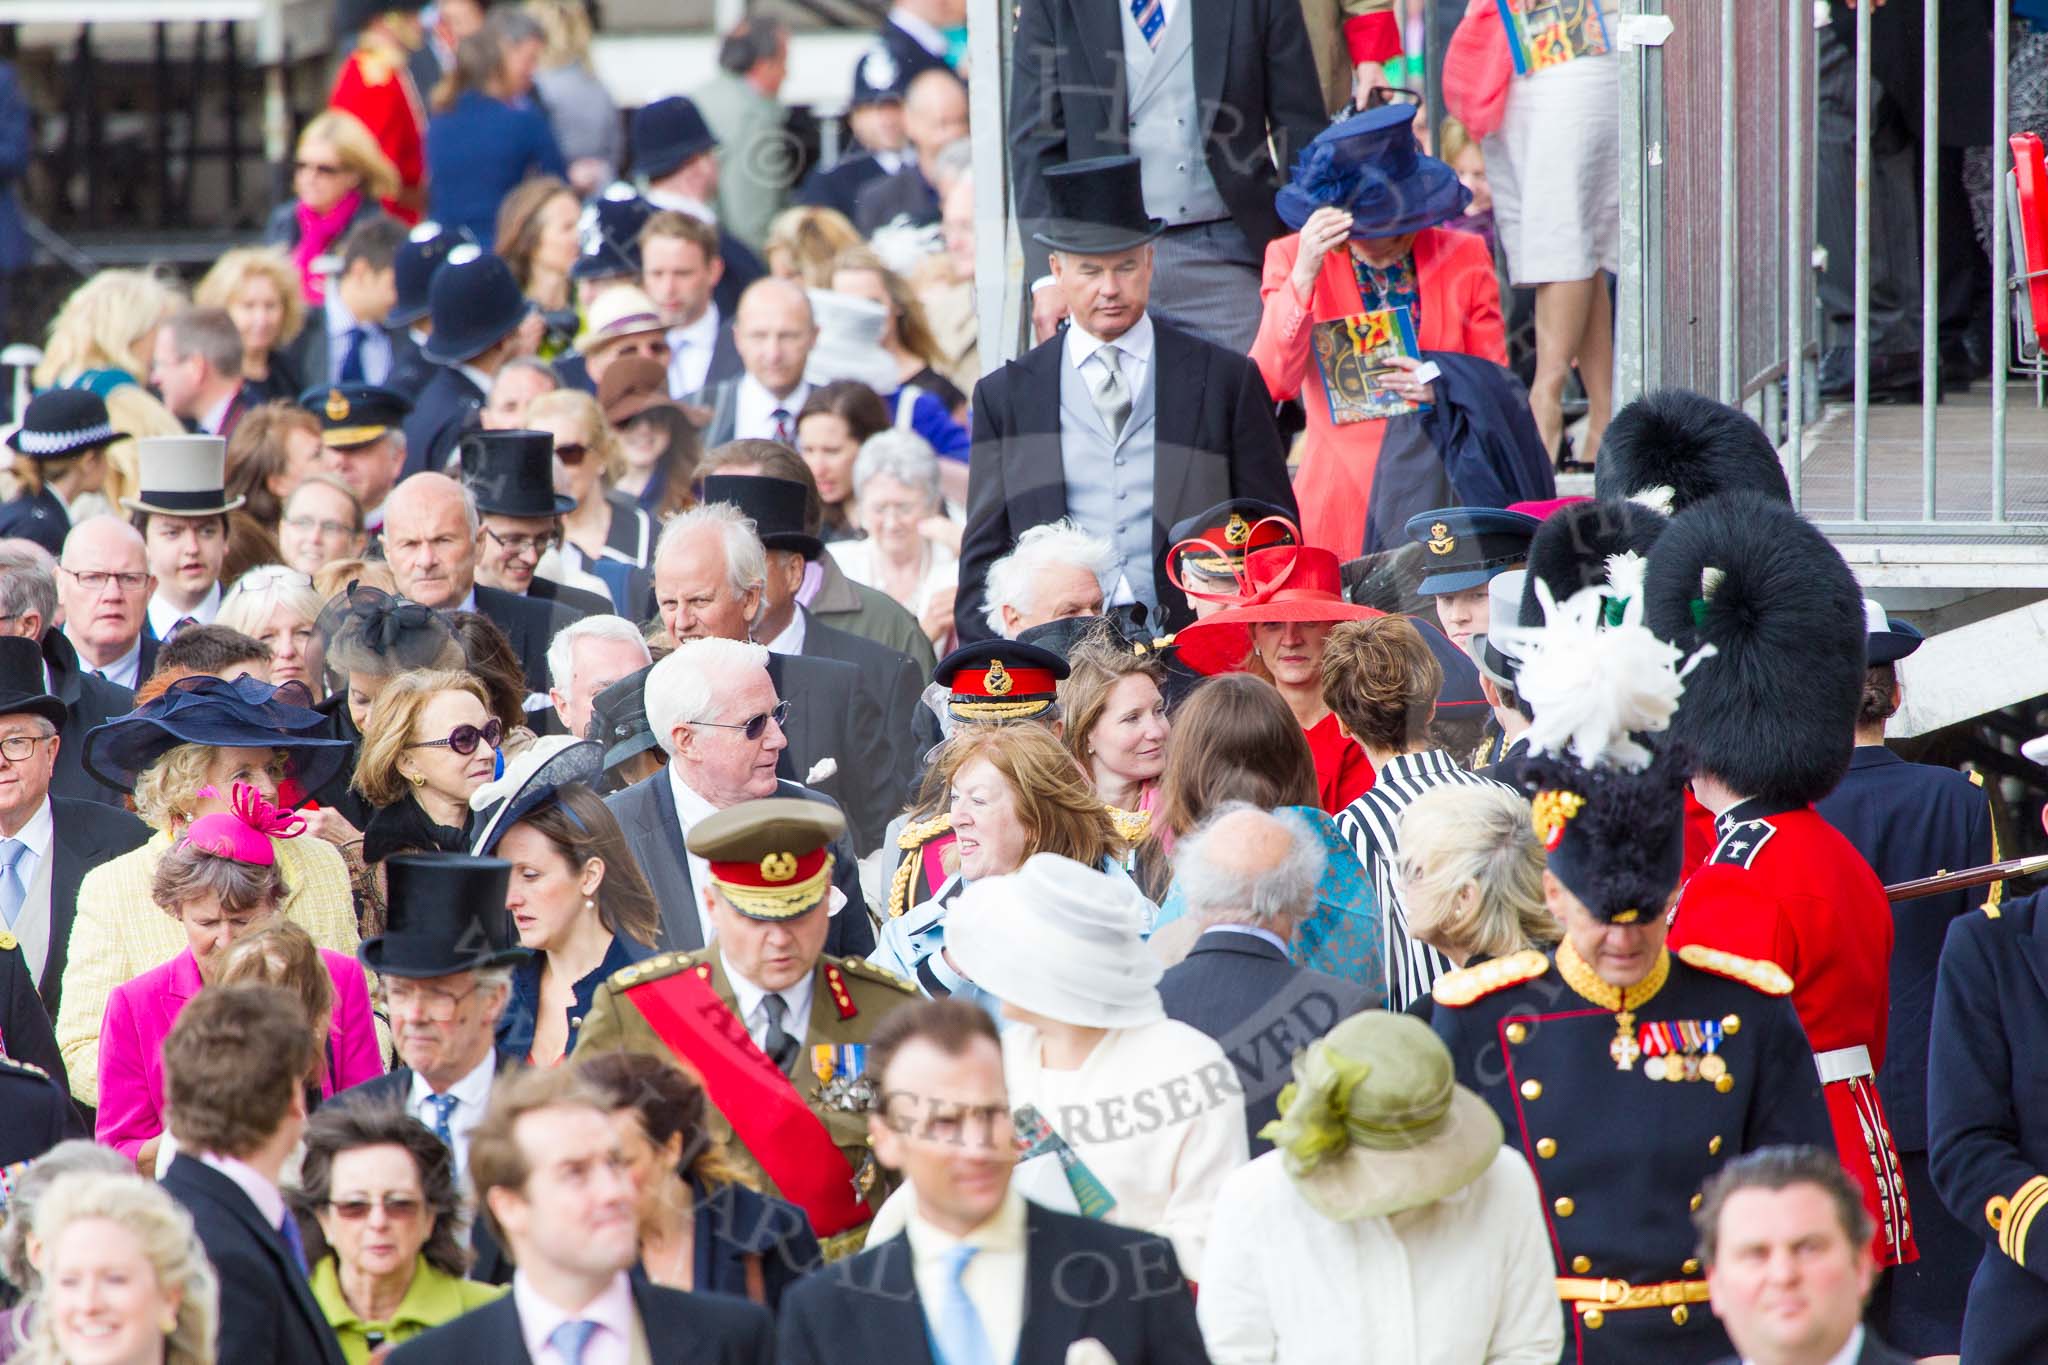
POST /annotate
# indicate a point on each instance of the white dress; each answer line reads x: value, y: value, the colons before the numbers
x: 1554, y: 166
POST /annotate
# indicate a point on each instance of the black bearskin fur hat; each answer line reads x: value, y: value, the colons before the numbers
x: 1574, y: 543
x: 1691, y: 445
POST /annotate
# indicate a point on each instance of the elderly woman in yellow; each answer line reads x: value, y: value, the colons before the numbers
x: 182, y: 755
x: 102, y: 339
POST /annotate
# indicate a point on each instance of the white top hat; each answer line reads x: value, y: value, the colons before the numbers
x: 182, y: 476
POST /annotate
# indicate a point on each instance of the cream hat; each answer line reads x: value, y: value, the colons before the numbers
x: 1060, y: 940
x: 182, y: 476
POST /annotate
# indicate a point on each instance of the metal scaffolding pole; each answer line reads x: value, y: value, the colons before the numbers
x: 998, y: 255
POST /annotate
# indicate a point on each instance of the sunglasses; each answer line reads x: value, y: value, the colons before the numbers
x: 463, y: 739
x: 398, y: 1208
x: 571, y: 452
x: 753, y: 727
x: 321, y: 168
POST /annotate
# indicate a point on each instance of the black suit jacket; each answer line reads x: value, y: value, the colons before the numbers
x: 833, y: 715
x: 312, y: 351
x: 1874, y: 1352
x: 447, y: 406
x: 24, y: 1023
x: 529, y: 623
x: 87, y: 834
x: 89, y: 700
x: 1213, y: 440
x: 267, y: 1310
x: 890, y: 676
x: 647, y: 813
x: 682, y: 1329
x: 1083, y: 1279
x: 1261, y: 1007
x: 579, y: 600
x: 742, y: 268
x: 838, y: 186
x: 1255, y: 78
x: 906, y: 194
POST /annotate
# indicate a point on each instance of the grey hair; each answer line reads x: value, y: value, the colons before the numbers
x: 186, y: 872
x: 954, y: 159
x: 683, y: 688
x: 28, y: 583
x: 562, y: 649
x: 261, y: 591
x: 901, y: 455
x: 1287, y: 890
x: 78, y: 1154
x: 1012, y: 580
x: 746, y: 560
x: 519, y: 364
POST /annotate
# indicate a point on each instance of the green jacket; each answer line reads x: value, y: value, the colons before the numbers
x: 434, y: 1297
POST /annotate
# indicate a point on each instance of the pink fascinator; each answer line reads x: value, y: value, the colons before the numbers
x: 244, y: 832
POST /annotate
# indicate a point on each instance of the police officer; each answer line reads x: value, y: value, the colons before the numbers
x: 1912, y: 820
x: 776, y: 1029
x: 1624, y: 1073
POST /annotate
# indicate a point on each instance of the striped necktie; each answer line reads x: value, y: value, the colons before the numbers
x: 1151, y: 19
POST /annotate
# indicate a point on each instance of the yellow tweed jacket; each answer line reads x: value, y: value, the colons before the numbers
x: 120, y: 933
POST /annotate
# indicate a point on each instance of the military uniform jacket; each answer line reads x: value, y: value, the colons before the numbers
x: 1620, y: 1158
x: 849, y: 999
x: 1987, y: 1120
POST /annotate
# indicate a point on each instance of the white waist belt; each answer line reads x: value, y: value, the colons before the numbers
x: 1843, y: 1064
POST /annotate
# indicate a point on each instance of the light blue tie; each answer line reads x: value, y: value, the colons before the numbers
x: 12, y: 892
x: 569, y: 1340
x: 959, y: 1337
x: 444, y: 1105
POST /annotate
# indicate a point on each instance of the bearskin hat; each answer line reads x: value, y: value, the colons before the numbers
x: 1574, y: 544
x: 1772, y: 712
x: 1672, y: 448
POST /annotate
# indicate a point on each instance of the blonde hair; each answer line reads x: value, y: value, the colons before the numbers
x: 169, y: 1243
x: 1056, y: 804
x: 809, y: 241
x: 387, y: 730
x: 567, y: 24
x: 218, y: 287
x: 1471, y: 871
x: 165, y: 789
x: 358, y: 150
x: 582, y: 407
x: 336, y: 574
x: 102, y: 325
x: 1097, y: 663
x: 260, y: 592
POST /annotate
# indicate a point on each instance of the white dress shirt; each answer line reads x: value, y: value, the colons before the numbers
x: 995, y: 1279
x: 262, y: 1191
x: 125, y: 670
x: 164, y: 615
x: 690, y: 349
x: 32, y: 926
x: 690, y: 808
x: 747, y: 999
x: 753, y: 416
x: 682, y: 203
x: 216, y: 416
x: 612, y: 1311
x: 376, y: 343
x: 790, y: 640
x: 471, y: 1093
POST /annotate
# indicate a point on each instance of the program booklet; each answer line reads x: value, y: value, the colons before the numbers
x: 1352, y: 354
x: 1546, y: 33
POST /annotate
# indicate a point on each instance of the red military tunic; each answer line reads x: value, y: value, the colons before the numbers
x: 374, y: 86
x: 1785, y: 886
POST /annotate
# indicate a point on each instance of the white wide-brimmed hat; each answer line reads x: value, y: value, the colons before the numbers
x: 849, y: 344
x: 1061, y: 940
x: 182, y: 476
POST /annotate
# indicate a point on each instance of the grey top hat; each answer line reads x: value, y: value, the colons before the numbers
x: 182, y: 476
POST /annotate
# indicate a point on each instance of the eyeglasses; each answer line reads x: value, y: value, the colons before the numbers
x: 20, y: 748
x: 1391, y: 94
x: 93, y: 580
x: 326, y: 528
x: 526, y: 545
x: 436, y: 1004
x: 399, y: 1208
x: 571, y: 452
x: 320, y: 167
x: 463, y: 739
x: 753, y: 727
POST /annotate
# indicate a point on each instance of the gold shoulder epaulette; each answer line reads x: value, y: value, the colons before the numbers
x: 1976, y: 778
x: 1467, y: 984
x: 868, y: 971
x: 653, y: 968
x: 1754, y: 972
x: 16, y: 1064
x: 1130, y: 824
x: 918, y: 833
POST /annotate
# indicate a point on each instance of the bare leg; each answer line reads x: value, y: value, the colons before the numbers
x: 1561, y: 315
x: 1596, y: 368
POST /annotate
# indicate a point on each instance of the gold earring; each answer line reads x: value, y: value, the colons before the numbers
x: 418, y: 779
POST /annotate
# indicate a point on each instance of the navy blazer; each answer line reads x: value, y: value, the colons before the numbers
x: 17, y: 150
x: 522, y: 1011
x: 1213, y: 441
x: 530, y: 623
x: 1912, y: 820
x: 1261, y: 1007
x: 682, y: 1329
x: 37, y: 516
x: 1083, y: 1279
x: 89, y: 700
x: 734, y: 1225
x: 267, y: 1309
x: 447, y: 405
x: 838, y: 186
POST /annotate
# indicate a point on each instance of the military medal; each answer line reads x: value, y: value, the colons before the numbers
x: 841, y: 1069
x: 1624, y: 1049
x: 1713, y: 1066
x: 1656, y: 1042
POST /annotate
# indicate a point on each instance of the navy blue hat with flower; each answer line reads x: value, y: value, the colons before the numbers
x: 242, y: 713
x: 1370, y: 166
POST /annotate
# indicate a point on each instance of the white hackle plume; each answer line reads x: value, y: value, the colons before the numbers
x: 1595, y: 686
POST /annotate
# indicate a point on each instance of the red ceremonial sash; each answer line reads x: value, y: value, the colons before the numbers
x: 762, y: 1104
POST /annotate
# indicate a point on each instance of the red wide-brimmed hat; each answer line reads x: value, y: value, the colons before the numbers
x: 1281, y: 583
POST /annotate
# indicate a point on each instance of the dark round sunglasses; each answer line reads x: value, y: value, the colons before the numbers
x: 463, y: 738
x: 753, y: 727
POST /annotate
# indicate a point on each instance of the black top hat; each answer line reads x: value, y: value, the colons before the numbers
x: 246, y: 713
x: 446, y: 914
x: 63, y: 422
x: 1464, y: 547
x: 355, y: 414
x: 610, y: 234
x: 667, y: 133
x: 21, y: 681
x: 512, y: 473
x: 476, y: 303
x: 618, y: 719
x: 1674, y: 447
x: 420, y: 257
x: 775, y: 505
x: 1098, y: 207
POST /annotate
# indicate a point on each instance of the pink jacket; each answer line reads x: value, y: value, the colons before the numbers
x: 140, y: 1014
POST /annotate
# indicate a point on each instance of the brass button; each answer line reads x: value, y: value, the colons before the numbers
x: 1564, y: 1207
x: 1691, y: 1266
x: 1731, y: 1024
x: 1725, y: 1084
x: 1680, y: 1314
x: 1546, y: 1147
x: 1714, y: 1145
x: 1532, y: 1090
x: 1517, y: 1032
x: 1581, y: 1264
x: 1694, y: 1205
x: 1593, y: 1318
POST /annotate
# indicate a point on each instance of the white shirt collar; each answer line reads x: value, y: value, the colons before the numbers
x: 1254, y: 931
x: 1004, y: 1230
x: 928, y: 38
x: 691, y: 347
x: 753, y: 414
x: 262, y: 1192
x: 163, y: 616
x: 612, y: 1310
x: 37, y: 833
x: 1136, y: 344
x: 703, y: 332
x: 473, y: 1091
x: 1846, y: 1356
x: 121, y: 670
x: 217, y: 415
x: 747, y: 997
x: 791, y: 640
x: 469, y: 599
x: 340, y: 322
x: 683, y: 203
x: 475, y: 376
